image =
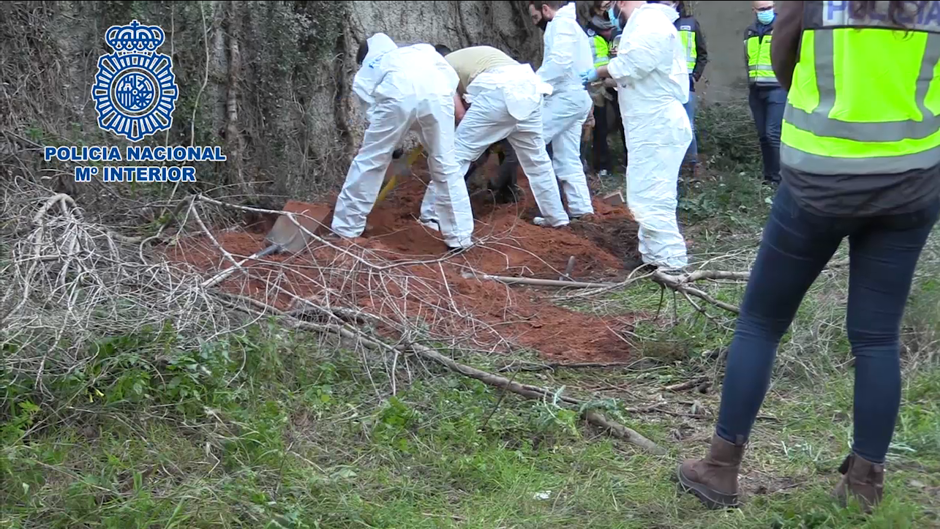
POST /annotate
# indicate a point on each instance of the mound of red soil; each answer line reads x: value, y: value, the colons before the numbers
x: 394, y: 271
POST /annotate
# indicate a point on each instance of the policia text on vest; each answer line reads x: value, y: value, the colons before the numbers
x: 845, y: 117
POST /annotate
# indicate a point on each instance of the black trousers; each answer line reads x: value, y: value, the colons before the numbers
x: 600, y: 159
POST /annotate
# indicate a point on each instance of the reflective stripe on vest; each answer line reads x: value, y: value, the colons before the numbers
x: 687, y: 37
x: 864, y: 99
x: 760, y: 71
x: 600, y: 51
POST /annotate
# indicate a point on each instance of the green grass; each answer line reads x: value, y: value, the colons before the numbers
x: 301, y: 440
x: 274, y: 429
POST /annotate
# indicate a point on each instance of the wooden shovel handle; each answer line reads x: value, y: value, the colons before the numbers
x: 228, y: 271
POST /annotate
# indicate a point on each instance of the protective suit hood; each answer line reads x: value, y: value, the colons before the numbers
x: 370, y: 74
x: 567, y: 11
x: 379, y: 45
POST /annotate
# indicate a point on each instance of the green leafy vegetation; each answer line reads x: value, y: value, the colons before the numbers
x: 276, y: 428
x: 267, y: 429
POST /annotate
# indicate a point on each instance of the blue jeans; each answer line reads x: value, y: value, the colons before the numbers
x: 796, y: 245
x: 691, y: 155
x: 767, y: 106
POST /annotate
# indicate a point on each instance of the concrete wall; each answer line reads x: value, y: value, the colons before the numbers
x: 723, y: 24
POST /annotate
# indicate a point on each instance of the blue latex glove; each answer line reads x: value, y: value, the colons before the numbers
x: 589, y: 76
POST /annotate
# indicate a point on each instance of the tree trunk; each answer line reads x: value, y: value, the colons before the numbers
x: 267, y: 81
x: 233, y: 138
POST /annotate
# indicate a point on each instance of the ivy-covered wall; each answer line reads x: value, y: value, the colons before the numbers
x: 268, y: 81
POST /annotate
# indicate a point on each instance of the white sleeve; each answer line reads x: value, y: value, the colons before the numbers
x: 642, y: 53
x: 362, y: 89
x: 560, y: 59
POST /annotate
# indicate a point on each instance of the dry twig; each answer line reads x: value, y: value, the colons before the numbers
x: 689, y: 384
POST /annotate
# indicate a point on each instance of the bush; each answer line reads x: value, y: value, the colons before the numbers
x: 727, y: 135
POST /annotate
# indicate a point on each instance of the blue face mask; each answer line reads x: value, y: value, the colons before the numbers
x: 614, y: 18
x: 766, y: 17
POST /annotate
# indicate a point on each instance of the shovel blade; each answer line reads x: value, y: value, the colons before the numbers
x: 288, y: 236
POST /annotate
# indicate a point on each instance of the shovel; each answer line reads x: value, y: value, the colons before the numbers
x: 285, y: 236
x: 401, y: 167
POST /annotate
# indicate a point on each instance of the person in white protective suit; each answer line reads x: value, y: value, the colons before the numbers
x: 567, y: 53
x: 652, y: 84
x: 405, y: 89
x: 505, y: 99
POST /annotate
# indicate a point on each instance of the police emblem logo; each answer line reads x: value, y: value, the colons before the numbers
x: 135, y: 89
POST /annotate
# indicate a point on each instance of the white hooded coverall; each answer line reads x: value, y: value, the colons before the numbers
x: 653, y: 84
x: 567, y: 53
x: 505, y: 103
x: 408, y: 88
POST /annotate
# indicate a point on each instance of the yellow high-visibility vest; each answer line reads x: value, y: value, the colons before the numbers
x: 688, y: 44
x: 686, y: 28
x: 760, y: 71
x: 600, y: 51
x: 865, y: 98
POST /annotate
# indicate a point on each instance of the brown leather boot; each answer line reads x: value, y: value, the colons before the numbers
x: 864, y: 479
x: 714, y: 479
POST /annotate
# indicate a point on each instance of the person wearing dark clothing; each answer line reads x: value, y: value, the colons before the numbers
x: 606, y: 107
x: 504, y: 186
x: 871, y: 175
x: 766, y: 97
x: 612, y: 123
x: 598, y: 30
x: 693, y: 41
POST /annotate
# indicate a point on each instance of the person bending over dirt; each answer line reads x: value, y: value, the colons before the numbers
x: 505, y: 103
x: 504, y: 186
x: 403, y: 89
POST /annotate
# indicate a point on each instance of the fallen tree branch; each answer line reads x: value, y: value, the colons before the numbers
x: 531, y: 281
x: 59, y: 198
x: 534, y: 392
x: 525, y: 390
x: 689, y: 384
x: 306, y: 311
x: 623, y: 432
x: 701, y: 310
x: 575, y: 365
x: 679, y: 284
x: 714, y: 274
x: 657, y: 408
x: 164, y: 225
